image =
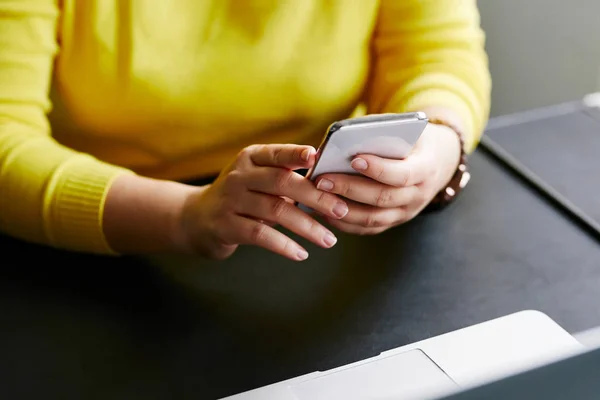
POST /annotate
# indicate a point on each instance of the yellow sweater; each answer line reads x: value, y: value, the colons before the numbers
x: 173, y: 89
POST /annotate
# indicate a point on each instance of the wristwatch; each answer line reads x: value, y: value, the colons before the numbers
x: 460, y: 178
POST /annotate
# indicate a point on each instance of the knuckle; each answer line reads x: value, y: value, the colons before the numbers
x: 323, y: 197
x: 258, y: 233
x: 232, y: 180
x: 372, y: 221
x: 314, y: 228
x: 228, y: 206
x: 380, y: 220
x: 283, y: 180
x: 279, y: 207
x: 407, y: 176
x: 247, y: 151
x: 297, y: 154
x: 277, y: 155
x: 384, y: 198
x: 345, y: 189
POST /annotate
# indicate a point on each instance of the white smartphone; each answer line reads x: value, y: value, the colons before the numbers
x: 385, y: 135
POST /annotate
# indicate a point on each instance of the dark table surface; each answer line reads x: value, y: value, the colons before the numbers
x: 559, y: 144
x: 74, y: 326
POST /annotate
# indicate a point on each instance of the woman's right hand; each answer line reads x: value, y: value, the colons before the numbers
x: 254, y: 193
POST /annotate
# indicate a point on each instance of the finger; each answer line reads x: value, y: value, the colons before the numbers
x: 269, y: 223
x: 374, y: 217
x: 367, y: 191
x: 400, y: 173
x: 249, y: 231
x: 354, y: 229
x: 273, y: 223
x: 288, y: 156
x: 277, y: 209
x: 281, y: 182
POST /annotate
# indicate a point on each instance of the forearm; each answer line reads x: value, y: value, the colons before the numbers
x: 51, y: 194
x: 142, y: 215
x: 430, y: 54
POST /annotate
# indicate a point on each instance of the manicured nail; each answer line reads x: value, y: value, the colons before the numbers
x: 359, y: 164
x: 302, y: 255
x: 306, y: 153
x: 325, y: 184
x: 340, y: 210
x: 329, y: 240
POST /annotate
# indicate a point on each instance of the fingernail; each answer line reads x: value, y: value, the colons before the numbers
x: 302, y: 255
x: 329, y: 239
x: 306, y: 153
x: 325, y: 184
x: 340, y: 210
x: 359, y: 164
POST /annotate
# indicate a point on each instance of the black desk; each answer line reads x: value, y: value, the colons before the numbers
x: 92, y: 327
x: 561, y: 145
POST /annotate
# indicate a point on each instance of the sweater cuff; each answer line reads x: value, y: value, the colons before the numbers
x: 74, y: 204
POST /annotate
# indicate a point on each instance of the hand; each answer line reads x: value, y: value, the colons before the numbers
x: 255, y: 192
x: 391, y: 192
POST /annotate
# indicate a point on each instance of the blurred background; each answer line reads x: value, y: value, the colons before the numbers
x: 542, y: 52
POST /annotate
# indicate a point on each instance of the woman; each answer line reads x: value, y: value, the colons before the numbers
x: 147, y: 94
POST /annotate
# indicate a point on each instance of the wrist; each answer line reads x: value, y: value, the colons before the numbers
x: 141, y: 215
x: 180, y: 224
x: 451, y: 146
x: 455, y: 174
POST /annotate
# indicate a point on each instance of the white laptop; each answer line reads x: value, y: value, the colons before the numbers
x: 438, y: 366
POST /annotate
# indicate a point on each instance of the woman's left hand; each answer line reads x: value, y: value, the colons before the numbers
x: 391, y: 192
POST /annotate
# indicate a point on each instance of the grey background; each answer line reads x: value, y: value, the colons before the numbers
x: 541, y: 52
